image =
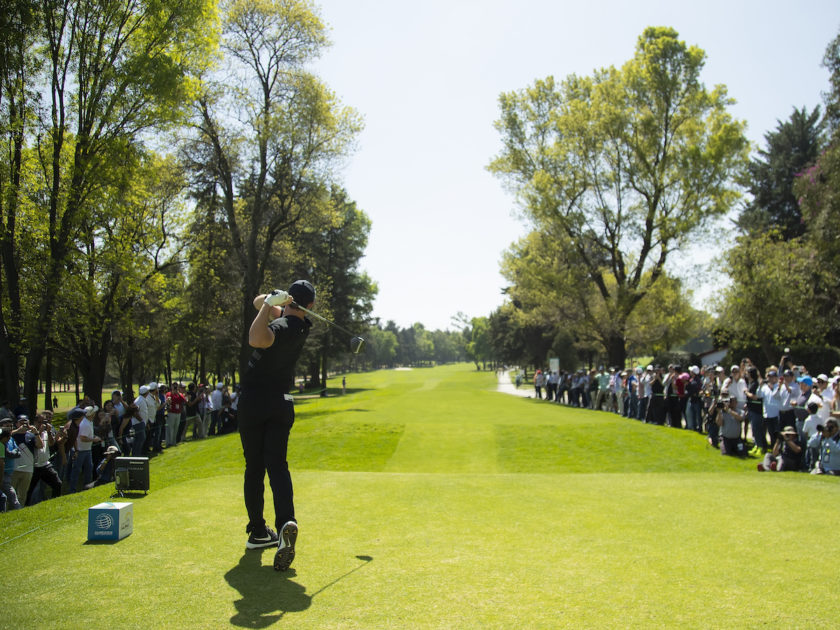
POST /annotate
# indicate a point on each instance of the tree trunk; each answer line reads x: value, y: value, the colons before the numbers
x: 324, y: 373
x: 48, y: 382
x: 616, y: 351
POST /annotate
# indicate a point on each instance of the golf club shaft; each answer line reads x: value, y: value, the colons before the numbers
x: 323, y: 319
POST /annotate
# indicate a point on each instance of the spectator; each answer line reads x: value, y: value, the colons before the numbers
x: 811, y: 426
x: 828, y: 443
x: 145, y: 414
x: 43, y: 469
x: 133, y: 439
x: 175, y: 401
x: 216, y: 409
x: 632, y: 410
x: 694, y: 404
x: 160, y: 419
x: 806, y: 396
x: 770, y: 399
x: 551, y: 386
x: 787, y: 453
x: 644, y: 392
x: 539, y: 381
x: 204, y: 409
x: 182, y: 421
x: 826, y: 395
x: 10, y: 455
x: 119, y: 405
x: 737, y: 387
x: 755, y: 411
x: 28, y: 441
x: 788, y: 395
x: 656, y: 405
x: 730, y: 422
x: 83, y: 460
x: 105, y: 470
x: 603, y: 381
x: 193, y: 418
x: 152, y: 406
x: 5, y: 412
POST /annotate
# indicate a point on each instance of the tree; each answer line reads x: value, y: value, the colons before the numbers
x: 332, y: 254
x: 775, y: 295
x: 267, y: 135
x: 113, y: 71
x: 794, y: 145
x: 622, y: 168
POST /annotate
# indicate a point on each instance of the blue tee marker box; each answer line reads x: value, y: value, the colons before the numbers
x: 110, y: 521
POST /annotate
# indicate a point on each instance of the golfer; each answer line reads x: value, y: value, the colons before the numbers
x: 266, y: 414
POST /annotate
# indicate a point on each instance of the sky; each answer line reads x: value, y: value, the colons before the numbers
x: 426, y: 77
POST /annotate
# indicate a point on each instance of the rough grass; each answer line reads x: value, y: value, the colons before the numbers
x: 428, y: 500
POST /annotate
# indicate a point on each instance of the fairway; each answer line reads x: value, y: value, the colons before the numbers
x: 426, y: 499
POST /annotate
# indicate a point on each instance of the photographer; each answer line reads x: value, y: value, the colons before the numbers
x: 10, y: 455
x: 828, y: 443
x: 730, y: 423
x: 43, y: 470
x: 787, y: 453
x: 105, y: 470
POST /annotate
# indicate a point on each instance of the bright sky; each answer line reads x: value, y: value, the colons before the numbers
x: 426, y: 77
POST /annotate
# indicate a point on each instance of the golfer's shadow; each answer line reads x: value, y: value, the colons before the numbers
x: 267, y: 595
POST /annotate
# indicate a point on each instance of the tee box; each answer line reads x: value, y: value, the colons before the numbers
x: 110, y: 521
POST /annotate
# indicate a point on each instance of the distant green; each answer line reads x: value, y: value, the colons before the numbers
x: 426, y: 499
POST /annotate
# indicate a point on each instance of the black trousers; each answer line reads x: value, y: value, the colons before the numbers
x: 49, y: 476
x: 264, y: 428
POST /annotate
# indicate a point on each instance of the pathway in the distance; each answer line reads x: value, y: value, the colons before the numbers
x: 506, y: 385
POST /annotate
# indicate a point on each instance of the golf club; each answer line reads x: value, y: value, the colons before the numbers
x: 357, y: 344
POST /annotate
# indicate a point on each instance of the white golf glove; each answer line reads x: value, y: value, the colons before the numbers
x: 278, y: 297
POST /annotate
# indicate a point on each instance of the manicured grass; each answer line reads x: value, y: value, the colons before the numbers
x: 428, y: 500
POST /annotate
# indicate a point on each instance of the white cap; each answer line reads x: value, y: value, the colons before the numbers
x: 639, y: 369
x: 153, y: 386
x: 219, y: 385
x: 694, y: 369
x: 650, y: 368
x: 89, y: 411
x: 144, y: 390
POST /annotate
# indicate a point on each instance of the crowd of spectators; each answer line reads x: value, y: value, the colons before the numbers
x: 785, y: 416
x: 43, y: 459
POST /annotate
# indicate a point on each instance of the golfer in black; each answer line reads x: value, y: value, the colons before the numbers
x: 266, y: 414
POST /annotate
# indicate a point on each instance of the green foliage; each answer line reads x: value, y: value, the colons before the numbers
x: 793, y: 146
x: 774, y: 296
x: 620, y: 168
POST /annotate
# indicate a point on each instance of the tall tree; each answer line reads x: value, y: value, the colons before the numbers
x: 113, y: 71
x: 621, y: 168
x: 333, y: 253
x: 267, y: 135
x: 791, y: 147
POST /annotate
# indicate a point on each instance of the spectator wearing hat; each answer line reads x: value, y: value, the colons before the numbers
x: 828, y: 444
x: 826, y: 395
x: 83, y: 460
x: 786, y: 454
x: 216, y: 409
x: 806, y: 396
x: 204, y: 408
x: 105, y: 470
x: 145, y: 414
x: 632, y: 407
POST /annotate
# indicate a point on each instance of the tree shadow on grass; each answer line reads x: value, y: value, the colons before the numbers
x: 266, y: 594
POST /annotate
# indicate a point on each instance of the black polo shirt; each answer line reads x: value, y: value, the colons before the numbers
x: 272, y: 370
